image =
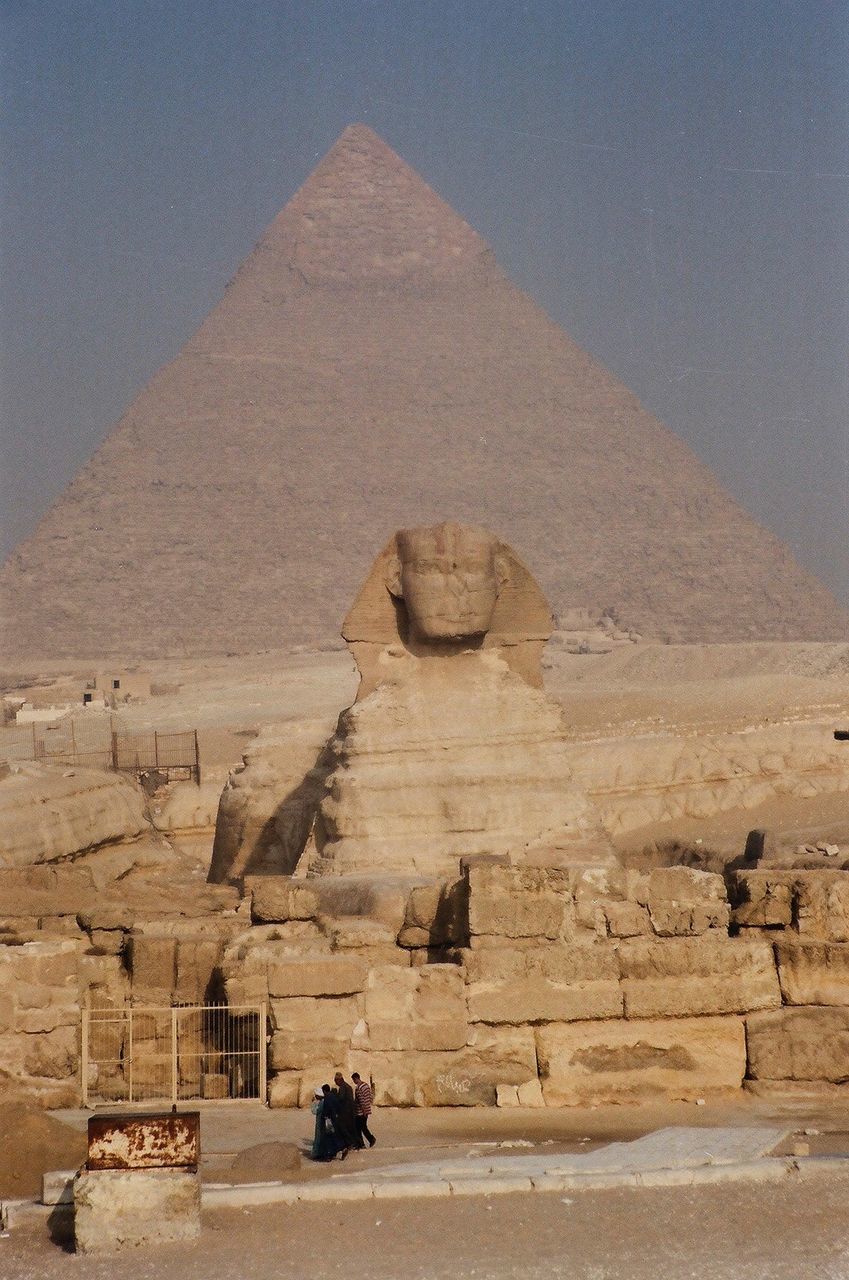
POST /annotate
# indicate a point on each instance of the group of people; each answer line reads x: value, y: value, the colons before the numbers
x: 341, y: 1117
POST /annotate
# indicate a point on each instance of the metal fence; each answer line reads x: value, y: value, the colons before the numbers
x: 93, y: 741
x: 138, y: 1054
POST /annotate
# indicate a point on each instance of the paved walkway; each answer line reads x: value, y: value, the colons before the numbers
x: 670, y: 1156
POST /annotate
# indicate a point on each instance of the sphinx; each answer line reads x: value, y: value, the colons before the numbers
x: 451, y: 747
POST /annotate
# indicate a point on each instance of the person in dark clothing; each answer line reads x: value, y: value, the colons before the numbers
x: 331, y: 1144
x: 363, y: 1102
x: 346, y: 1120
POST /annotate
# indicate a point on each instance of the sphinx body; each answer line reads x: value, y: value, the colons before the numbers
x: 452, y: 747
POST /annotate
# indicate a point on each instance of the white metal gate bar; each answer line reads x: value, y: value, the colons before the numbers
x: 144, y: 1054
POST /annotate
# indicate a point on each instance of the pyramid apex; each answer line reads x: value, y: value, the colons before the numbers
x: 364, y: 213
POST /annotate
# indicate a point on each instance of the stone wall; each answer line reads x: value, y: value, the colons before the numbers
x: 531, y: 986
x: 67, y: 945
x: 505, y: 985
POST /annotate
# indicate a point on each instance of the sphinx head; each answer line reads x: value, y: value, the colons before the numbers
x: 449, y: 577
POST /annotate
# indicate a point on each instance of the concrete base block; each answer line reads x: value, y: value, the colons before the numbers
x: 120, y: 1208
x: 57, y: 1187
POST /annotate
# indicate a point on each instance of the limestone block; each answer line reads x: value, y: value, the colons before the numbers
x: 215, y: 1085
x: 284, y: 1089
x: 353, y: 934
x: 426, y: 1036
x: 626, y: 919
x: 801, y: 1043
x: 822, y: 905
x: 506, y: 1095
x: 300, y: 1052
x: 502, y: 1054
x: 118, y: 1209
x: 197, y: 961
x: 436, y: 915
x: 683, y: 901
x: 333, y: 975
x: 530, y: 1094
x: 515, y: 902
x: 761, y: 899
x: 54, y: 1054
x: 38, y: 1021
x: 7, y: 1012
x: 336, y: 1016
x: 456, y: 1084
x: 813, y: 972
x: 536, y: 999
x: 683, y: 977
x: 111, y: 917
x: 589, y: 1063
x: 51, y: 963
x: 107, y: 941
x: 393, y: 1078
x: 153, y: 961
x: 280, y: 898
x: 246, y: 989
x: 550, y: 984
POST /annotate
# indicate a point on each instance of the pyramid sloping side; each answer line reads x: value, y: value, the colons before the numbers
x: 370, y: 367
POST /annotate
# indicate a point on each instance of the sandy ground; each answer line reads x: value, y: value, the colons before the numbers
x: 732, y: 1231
x: 738, y: 1231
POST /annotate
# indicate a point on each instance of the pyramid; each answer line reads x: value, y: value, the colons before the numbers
x: 371, y: 367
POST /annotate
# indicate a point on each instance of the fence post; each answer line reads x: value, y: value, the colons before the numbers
x: 84, y: 1057
x: 174, y: 1059
x: 130, y: 1047
x: 263, y: 1056
x: 155, y: 749
x: 34, y: 743
x: 114, y: 751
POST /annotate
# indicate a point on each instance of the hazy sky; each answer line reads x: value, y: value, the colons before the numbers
x: 669, y: 180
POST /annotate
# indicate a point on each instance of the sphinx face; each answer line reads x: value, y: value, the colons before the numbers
x: 448, y: 581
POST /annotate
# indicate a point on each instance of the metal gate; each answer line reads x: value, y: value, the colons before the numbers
x: 140, y: 1054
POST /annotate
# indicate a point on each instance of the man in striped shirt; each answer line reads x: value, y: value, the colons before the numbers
x: 364, y: 1101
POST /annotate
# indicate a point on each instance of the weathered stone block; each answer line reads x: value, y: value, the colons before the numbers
x: 279, y: 898
x: 334, y: 1016
x: 626, y: 919
x: 284, y: 1089
x: 118, y: 1209
x: 437, y: 915
x: 215, y: 1085
x: 684, y: 977
x: 298, y: 1052
x: 813, y: 972
x: 516, y: 902
x: 530, y: 1094
x: 536, y: 999
x: 53, y: 1054
x: 153, y: 961
x: 333, y: 975
x: 822, y: 905
x: 429, y: 1036
x: 502, y: 1054
x: 682, y: 901
x: 761, y: 899
x: 801, y: 1043
x: 595, y: 1062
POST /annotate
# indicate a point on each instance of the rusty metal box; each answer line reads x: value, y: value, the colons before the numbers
x: 161, y: 1141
